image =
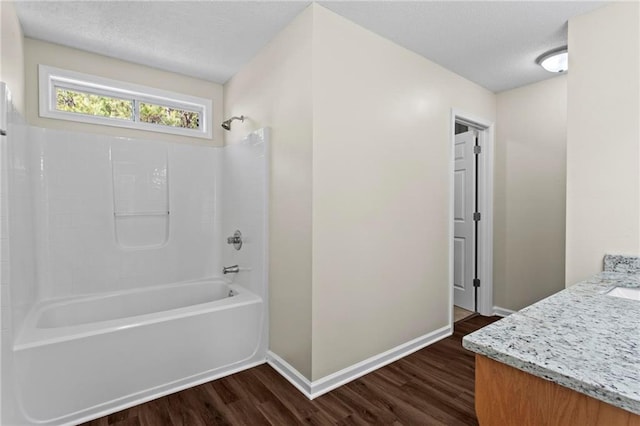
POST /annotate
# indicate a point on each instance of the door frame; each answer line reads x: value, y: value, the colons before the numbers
x: 486, y: 132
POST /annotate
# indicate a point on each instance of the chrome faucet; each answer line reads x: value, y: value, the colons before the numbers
x: 231, y: 269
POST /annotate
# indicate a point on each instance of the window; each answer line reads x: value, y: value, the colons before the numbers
x: 68, y: 95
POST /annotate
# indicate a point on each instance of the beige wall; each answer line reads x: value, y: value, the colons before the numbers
x: 381, y: 173
x: 39, y: 52
x: 360, y: 187
x: 11, y: 54
x: 603, y: 138
x: 274, y: 90
x: 529, y: 193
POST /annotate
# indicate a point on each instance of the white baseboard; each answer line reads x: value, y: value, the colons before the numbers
x: 321, y: 386
x: 287, y: 371
x: 502, y: 312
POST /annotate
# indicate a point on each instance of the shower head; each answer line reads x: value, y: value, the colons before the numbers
x: 227, y: 123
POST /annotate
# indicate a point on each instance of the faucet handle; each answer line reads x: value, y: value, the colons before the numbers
x: 236, y: 240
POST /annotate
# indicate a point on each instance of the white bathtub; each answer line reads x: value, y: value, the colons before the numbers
x: 79, y: 358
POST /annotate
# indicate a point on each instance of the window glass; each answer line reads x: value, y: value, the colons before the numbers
x: 92, y: 104
x: 167, y: 116
x: 70, y: 95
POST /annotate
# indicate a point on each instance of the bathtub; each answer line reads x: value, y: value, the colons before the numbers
x: 77, y: 359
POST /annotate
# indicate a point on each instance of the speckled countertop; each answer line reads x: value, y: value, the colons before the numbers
x: 579, y: 338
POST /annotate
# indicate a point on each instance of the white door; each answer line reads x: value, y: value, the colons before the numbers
x: 464, y: 226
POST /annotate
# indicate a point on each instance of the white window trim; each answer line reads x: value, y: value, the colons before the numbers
x: 50, y: 78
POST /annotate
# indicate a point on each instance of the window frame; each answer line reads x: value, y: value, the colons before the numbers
x: 51, y: 78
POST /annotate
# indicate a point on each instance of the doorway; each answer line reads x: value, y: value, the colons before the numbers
x: 471, y: 242
x: 465, y: 221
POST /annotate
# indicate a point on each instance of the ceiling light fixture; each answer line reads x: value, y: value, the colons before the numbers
x: 556, y: 60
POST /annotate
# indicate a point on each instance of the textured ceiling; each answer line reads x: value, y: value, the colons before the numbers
x: 491, y: 43
x: 203, y: 39
x: 494, y: 44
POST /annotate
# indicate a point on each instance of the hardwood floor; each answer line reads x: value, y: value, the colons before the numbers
x: 434, y: 386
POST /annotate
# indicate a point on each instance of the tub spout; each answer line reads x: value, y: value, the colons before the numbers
x: 231, y: 269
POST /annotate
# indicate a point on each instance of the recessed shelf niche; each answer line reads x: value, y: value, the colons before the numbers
x: 140, y: 195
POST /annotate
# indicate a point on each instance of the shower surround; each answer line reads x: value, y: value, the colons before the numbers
x: 115, y: 252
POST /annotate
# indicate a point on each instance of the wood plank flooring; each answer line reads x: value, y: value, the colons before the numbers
x: 434, y: 386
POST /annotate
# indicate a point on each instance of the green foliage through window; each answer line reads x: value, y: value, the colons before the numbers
x: 84, y: 98
x: 106, y: 106
x: 91, y: 104
x: 166, y: 116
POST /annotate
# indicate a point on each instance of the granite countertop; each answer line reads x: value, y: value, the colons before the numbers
x: 579, y: 338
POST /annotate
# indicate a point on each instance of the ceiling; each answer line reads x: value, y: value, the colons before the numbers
x: 494, y: 44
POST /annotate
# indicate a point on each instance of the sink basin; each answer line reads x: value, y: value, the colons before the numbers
x: 625, y: 293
